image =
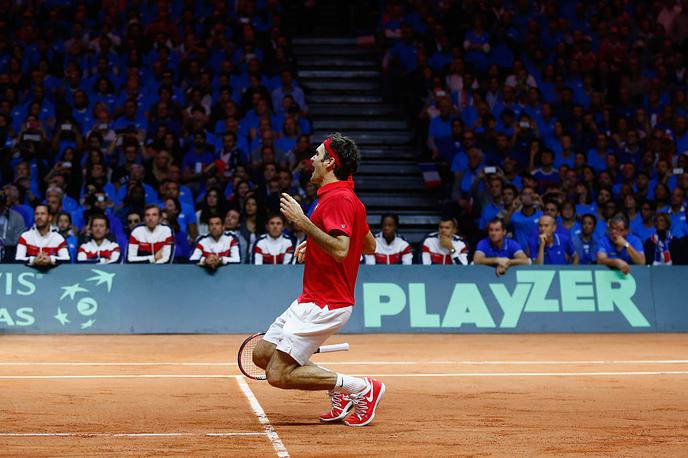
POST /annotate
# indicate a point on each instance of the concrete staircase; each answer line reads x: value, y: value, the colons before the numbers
x: 343, y: 88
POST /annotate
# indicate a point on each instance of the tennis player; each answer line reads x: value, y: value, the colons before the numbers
x: 337, y: 234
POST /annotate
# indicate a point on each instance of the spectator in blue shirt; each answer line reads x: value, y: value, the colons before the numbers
x: 440, y: 129
x: 643, y: 226
x: 524, y: 214
x: 499, y: 251
x: 196, y: 160
x: 677, y: 210
x: 617, y: 249
x: 597, y: 156
x: 288, y: 87
x: 552, y: 248
x: 491, y: 204
x: 585, y: 242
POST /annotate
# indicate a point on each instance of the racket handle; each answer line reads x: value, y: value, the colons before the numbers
x: 335, y: 347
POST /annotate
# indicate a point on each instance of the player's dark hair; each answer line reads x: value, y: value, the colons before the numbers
x: 100, y: 216
x: 349, y: 155
x: 451, y: 219
x: 591, y: 216
x: 150, y: 206
x: 215, y: 217
x: 275, y: 215
x: 47, y: 207
x: 512, y: 187
x: 499, y: 221
x: 390, y: 215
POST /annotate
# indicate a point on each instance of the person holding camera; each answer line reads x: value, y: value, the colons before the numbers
x: 42, y: 246
x: 11, y: 227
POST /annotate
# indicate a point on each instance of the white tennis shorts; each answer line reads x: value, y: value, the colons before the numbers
x: 303, y: 327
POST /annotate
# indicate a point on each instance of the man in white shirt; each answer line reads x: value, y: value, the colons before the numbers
x: 390, y: 248
x: 41, y: 246
x: 275, y: 247
x: 217, y: 247
x: 151, y: 242
x: 444, y: 246
x: 99, y: 249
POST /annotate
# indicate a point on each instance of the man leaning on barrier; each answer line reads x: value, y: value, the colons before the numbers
x: 618, y: 249
x: 497, y: 250
x: 42, y: 245
x: 216, y: 248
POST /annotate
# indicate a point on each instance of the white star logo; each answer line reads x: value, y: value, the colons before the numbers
x: 87, y: 324
x: 72, y: 290
x: 102, y: 277
x: 61, y: 317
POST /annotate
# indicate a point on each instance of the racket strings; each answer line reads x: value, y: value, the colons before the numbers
x: 246, y: 359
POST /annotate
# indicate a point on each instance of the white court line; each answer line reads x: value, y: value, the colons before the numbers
x: 28, y: 377
x: 241, y: 380
x: 227, y: 434
x: 277, y: 443
x: 357, y: 363
x: 528, y: 374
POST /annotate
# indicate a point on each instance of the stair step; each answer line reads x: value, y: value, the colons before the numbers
x: 398, y: 200
x: 405, y: 220
x: 361, y: 124
x: 390, y: 168
x: 338, y: 74
x: 342, y: 86
x: 411, y: 183
x: 388, y: 153
x: 312, y: 63
x: 343, y: 98
x: 333, y: 110
x: 331, y: 51
x: 374, y: 138
x: 329, y: 41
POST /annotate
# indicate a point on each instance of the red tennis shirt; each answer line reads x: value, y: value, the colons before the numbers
x: 327, y: 282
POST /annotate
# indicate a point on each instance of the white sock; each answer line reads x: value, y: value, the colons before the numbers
x: 350, y: 385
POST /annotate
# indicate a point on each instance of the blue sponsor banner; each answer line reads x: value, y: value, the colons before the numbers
x: 245, y: 299
x: 670, y: 292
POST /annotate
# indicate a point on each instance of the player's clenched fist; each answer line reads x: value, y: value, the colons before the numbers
x: 291, y: 208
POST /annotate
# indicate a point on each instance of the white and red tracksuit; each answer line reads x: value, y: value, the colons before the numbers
x: 226, y: 248
x: 144, y: 243
x: 273, y: 251
x: 435, y: 253
x: 107, y: 252
x: 31, y: 243
x: 397, y: 252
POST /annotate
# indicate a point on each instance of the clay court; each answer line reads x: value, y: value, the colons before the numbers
x: 447, y: 395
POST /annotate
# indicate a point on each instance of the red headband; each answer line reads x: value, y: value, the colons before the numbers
x: 333, y: 154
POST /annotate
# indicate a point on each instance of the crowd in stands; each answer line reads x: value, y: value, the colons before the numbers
x: 158, y: 132
x: 152, y: 119
x: 566, y: 119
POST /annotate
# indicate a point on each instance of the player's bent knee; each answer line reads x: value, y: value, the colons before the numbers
x: 277, y: 378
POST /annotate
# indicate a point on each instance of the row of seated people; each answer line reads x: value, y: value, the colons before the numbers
x: 153, y: 242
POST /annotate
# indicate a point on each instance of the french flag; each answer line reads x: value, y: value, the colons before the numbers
x: 431, y: 175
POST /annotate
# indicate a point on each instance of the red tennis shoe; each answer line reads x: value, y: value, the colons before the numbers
x: 341, y: 406
x: 366, y: 403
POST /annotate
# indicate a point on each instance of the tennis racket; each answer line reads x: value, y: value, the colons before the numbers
x: 250, y: 370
